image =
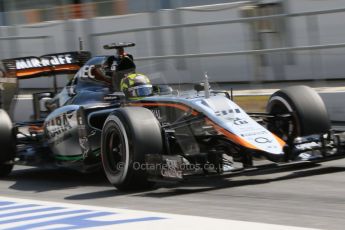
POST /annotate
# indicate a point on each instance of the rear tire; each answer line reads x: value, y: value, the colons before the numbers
x: 7, y: 144
x: 128, y: 134
x: 309, y: 113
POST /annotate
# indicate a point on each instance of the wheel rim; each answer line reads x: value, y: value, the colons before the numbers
x: 115, y: 150
x: 284, y: 128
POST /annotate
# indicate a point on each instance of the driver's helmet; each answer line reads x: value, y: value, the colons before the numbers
x: 136, y: 85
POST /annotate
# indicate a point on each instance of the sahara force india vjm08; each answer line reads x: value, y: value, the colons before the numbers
x: 166, y: 136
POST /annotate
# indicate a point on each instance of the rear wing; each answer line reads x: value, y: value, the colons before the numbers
x: 49, y: 64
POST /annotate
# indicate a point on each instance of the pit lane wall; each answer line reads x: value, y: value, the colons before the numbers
x: 296, y: 31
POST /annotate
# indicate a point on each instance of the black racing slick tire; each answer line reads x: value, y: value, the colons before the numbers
x: 7, y: 144
x: 128, y: 135
x: 309, y: 113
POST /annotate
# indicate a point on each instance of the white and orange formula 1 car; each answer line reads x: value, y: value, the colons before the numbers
x: 91, y: 125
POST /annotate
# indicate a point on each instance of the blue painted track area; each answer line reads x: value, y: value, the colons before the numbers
x: 19, y: 216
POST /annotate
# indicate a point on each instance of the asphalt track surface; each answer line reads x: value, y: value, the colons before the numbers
x: 310, y: 196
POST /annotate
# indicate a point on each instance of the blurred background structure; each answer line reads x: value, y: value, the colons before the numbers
x: 247, y: 41
x: 26, y: 11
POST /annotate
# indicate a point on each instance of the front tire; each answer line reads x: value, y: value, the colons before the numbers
x: 308, y: 112
x: 128, y: 135
x: 7, y: 144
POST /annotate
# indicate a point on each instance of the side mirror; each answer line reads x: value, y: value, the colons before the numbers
x: 199, y: 87
x: 71, y: 91
x: 43, y: 104
x: 40, y: 101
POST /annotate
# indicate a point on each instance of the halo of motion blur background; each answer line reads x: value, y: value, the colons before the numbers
x: 265, y: 43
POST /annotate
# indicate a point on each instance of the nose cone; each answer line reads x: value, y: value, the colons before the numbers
x: 235, y: 124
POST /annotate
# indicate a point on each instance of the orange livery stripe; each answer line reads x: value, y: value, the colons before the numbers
x: 231, y: 136
x: 153, y: 104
